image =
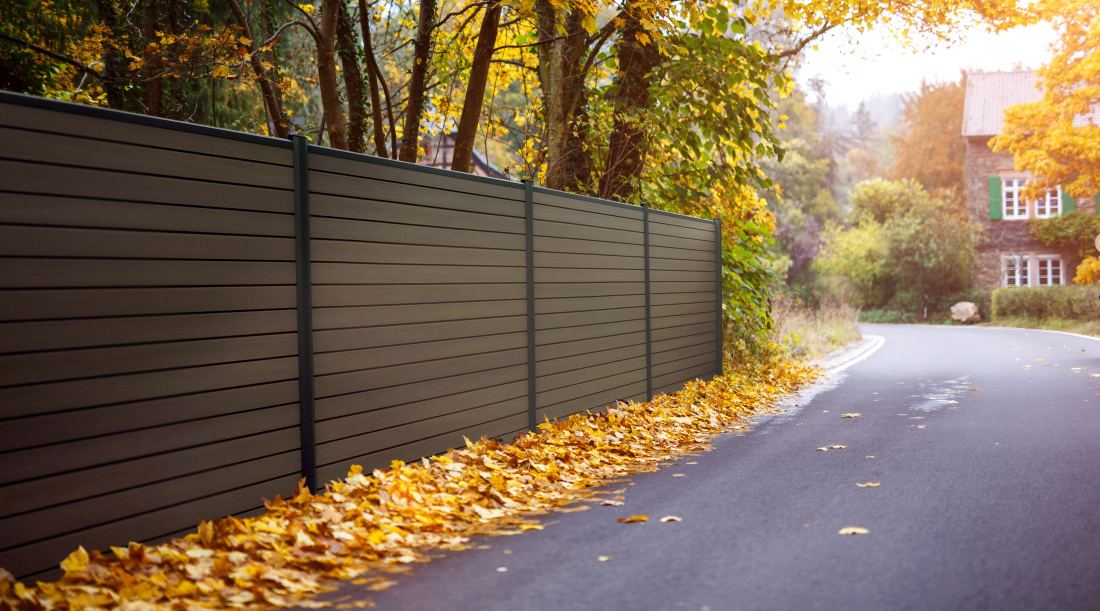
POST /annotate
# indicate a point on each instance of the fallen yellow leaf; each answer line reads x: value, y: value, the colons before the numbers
x: 837, y: 447
x: 823, y: 449
x: 671, y: 519
x: 633, y: 519
x: 869, y: 485
x: 77, y: 561
x: 677, y: 475
x: 973, y: 389
x: 603, y: 558
x: 851, y: 415
x: 853, y: 530
x: 612, y: 503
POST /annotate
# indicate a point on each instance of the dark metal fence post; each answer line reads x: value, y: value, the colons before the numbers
x: 529, y: 214
x: 718, y: 293
x: 307, y: 419
x: 648, y: 314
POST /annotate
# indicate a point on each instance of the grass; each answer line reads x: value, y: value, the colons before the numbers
x: 814, y: 332
x: 1084, y: 327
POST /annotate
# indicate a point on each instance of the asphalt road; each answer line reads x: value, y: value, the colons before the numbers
x: 989, y: 499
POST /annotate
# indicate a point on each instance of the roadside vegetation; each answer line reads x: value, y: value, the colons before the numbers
x: 808, y: 332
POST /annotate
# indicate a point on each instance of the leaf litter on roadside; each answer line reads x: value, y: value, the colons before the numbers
x: 368, y: 526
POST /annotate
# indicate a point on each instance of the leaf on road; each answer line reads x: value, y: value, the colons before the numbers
x: 921, y: 426
x: 851, y: 415
x: 1095, y: 375
x: 1039, y: 360
x: 837, y: 447
x: 869, y: 485
x: 973, y: 389
x: 871, y: 456
x: 823, y: 449
x: 677, y: 475
x: 633, y: 519
x: 603, y: 558
x: 853, y: 530
x: 611, y: 503
x: 672, y: 519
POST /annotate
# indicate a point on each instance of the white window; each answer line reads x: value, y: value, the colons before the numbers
x: 1016, y: 270
x: 1015, y: 206
x: 1050, y: 270
x: 1049, y: 205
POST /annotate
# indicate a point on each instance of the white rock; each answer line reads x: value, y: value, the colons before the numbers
x: 965, y: 312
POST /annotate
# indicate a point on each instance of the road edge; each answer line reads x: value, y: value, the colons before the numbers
x: 845, y: 357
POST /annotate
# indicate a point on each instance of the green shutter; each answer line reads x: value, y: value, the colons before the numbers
x: 1068, y: 203
x: 995, y: 198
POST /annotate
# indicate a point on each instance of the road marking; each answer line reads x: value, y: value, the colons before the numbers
x: 878, y: 342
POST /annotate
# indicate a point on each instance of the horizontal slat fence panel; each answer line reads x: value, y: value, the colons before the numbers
x: 386, y: 374
x: 193, y: 319
x: 147, y: 330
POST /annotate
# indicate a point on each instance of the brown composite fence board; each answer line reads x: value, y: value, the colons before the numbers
x: 350, y: 273
x: 84, y: 483
x: 365, y: 295
x: 386, y: 356
x: 345, y: 251
x: 703, y: 233
x: 330, y: 452
x: 588, y: 261
x: 702, y: 348
x: 552, y: 214
x: 61, y: 519
x: 547, y: 398
x: 548, y: 337
x: 351, y: 229
x: 430, y: 446
x: 343, y: 383
x: 555, y: 275
x: 46, y: 554
x: 364, y: 208
x: 56, y: 149
x: 573, y: 201
x: 66, y: 426
x: 664, y: 241
x: 660, y: 275
x: 386, y: 417
x: 590, y: 359
x: 591, y: 317
x: 52, y: 210
x: 338, y: 406
x: 134, y: 445
x: 686, y: 363
x: 341, y: 185
x: 85, y: 184
x: 20, y: 401
x: 549, y: 352
x: 588, y: 289
x: 673, y: 298
x: 678, y: 309
x: 583, y: 247
x: 680, y: 254
x: 682, y: 320
x: 608, y: 364
x: 584, y: 304
x: 675, y: 380
x: 596, y: 234
x: 38, y: 119
x: 72, y: 364
x: 362, y: 167
x: 626, y: 387
x: 90, y: 273
x: 682, y: 265
x: 330, y: 340
x: 25, y: 241
x: 106, y: 302
x: 47, y: 334
x: 345, y: 317
x: 683, y: 341
x: 672, y: 333
x: 683, y: 287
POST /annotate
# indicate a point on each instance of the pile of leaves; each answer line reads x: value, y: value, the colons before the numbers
x: 364, y: 527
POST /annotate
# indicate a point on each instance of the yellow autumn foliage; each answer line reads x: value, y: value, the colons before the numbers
x: 367, y: 526
x: 1088, y: 271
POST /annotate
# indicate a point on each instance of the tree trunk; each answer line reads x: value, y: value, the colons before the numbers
x: 422, y: 58
x: 112, y: 59
x: 626, y: 146
x: 326, y: 75
x: 373, y: 72
x: 353, y: 79
x: 175, y: 85
x: 475, y: 89
x: 154, y: 93
x: 576, y: 159
x: 273, y: 100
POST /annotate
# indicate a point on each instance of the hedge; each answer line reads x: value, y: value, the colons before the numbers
x: 1068, y: 302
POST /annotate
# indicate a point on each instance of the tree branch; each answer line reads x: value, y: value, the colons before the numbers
x: 59, y: 57
x: 795, y: 50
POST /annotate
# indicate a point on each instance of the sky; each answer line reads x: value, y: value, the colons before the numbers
x: 880, y: 65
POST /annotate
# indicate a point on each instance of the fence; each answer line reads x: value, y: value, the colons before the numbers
x: 192, y: 319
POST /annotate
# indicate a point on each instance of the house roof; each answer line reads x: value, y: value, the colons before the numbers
x: 988, y: 94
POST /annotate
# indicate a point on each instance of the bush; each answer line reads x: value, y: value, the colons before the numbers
x: 887, y: 316
x: 1073, y: 231
x: 1041, y: 302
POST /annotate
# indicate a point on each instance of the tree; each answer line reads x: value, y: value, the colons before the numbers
x: 1057, y: 138
x: 929, y: 150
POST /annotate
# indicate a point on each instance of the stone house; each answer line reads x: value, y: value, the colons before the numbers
x: 1008, y: 256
